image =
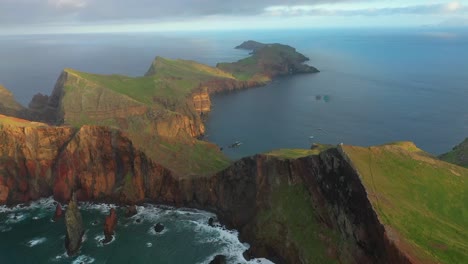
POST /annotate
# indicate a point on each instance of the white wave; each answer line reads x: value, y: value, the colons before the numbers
x: 36, y: 241
x: 16, y: 217
x: 101, y: 207
x: 101, y: 237
x: 259, y: 261
x: 41, y: 203
x: 227, y: 239
x: 83, y: 259
x: 60, y: 257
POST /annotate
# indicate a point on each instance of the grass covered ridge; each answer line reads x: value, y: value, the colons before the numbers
x: 298, y: 153
x: 13, y: 121
x: 167, y: 80
x: 422, y: 201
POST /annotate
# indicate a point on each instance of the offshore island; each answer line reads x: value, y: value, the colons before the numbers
x: 124, y: 140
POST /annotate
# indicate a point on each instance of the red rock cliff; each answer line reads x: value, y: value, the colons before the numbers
x: 101, y: 164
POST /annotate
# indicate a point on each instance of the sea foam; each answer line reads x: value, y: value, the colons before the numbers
x: 36, y: 241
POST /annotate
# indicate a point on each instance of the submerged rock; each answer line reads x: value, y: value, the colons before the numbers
x: 130, y: 211
x: 218, y: 259
x: 158, y: 228
x: 109, y: 226
x: 58, y: 212
x: 211, y: 221
x: 74, y: 226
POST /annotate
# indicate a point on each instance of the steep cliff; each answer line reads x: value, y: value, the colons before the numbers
x: 163, y: 111
x: 165, y: 129
x: 9, y: 106
x: 337, y: 206
x: 458, y: 155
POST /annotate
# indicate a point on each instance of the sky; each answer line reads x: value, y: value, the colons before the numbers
x: 80, y: 16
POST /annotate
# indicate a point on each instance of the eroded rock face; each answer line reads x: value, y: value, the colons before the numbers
x: 131, y: 211
x: 109, y: 226
x: 101, y: 164
x: 74, y: 228
x: 58, y: 212
x: 218, y: 259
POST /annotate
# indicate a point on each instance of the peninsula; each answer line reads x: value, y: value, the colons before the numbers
x: 112, y: 138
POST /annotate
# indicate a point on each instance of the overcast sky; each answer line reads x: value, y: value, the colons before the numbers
x: 45, y: 16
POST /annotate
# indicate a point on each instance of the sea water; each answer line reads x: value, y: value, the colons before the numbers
x: 28, y: 235
x: 375, y: 86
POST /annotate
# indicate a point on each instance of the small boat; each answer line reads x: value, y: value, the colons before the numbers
x: 235, y: 144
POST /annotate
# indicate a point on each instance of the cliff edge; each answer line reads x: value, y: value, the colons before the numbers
x: 458, y: 155
x: 384, y: 204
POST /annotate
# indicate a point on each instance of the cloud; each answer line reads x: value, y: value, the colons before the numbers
x: 309, y: 10
x: 40, y: 11
x: 68, y: 3
x: 114, y: 12
x: 453, y: 6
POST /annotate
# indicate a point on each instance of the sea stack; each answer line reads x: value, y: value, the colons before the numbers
x: 109, y: 226
x: 58, y: 212
x: 74, y: 226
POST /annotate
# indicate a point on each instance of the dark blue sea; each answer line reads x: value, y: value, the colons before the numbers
x: 375, y: 86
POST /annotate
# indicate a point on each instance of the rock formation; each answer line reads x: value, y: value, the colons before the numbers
x: 130, y: 211
x: 335, y: 206
x: 58, y: 212
x: 109, y: 226
x: 158, y: 228
x: 218, y: 259
x: 333, y: 213
x: 74, y: 228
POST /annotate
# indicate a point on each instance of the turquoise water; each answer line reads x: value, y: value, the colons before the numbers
x: 28, y: 235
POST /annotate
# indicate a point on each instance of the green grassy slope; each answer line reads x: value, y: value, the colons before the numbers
x: 140, y: 105
x: 157, y: 110
x: 458, y: 155
x: 298, y: 153
x: 422, y: 201
x: 166, y: 80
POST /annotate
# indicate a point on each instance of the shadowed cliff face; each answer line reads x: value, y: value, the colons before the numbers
x: 458, y: 155
x: 102, y: 164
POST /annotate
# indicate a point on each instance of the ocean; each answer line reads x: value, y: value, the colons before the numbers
x: 375, y: 86
x: 28, y: 235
